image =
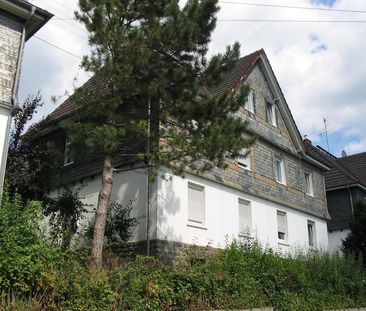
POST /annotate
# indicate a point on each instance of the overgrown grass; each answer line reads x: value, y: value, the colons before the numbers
x: 37, y: 276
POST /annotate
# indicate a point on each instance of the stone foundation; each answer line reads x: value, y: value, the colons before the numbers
x: 166, y: 251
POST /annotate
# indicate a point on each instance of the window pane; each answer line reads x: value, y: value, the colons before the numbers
x: 245, y: 222
x: 244, y: 161
x: 269, y: 113
x: 311, y: 233
x: 281, y: 225
x: 196, y: 203
x: 278, y: 170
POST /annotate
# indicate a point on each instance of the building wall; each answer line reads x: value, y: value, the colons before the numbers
x: 10, y: 39
x: 127, y: 186
x: 272, y: 141
x: 278, y: 135
x: 335, y: 239
x: 221, y: 210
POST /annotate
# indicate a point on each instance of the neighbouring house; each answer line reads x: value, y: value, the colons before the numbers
x: 19, y: 21
x: 345, y: 186
x: 277, y: 192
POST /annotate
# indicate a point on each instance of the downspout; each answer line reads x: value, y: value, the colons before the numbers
x: 14, y: 100
x: 351, y: 201
x: 148, y: 181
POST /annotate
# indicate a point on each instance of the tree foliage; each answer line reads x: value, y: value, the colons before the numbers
x: 65, y: 212
x: 29, y: 163
x: 153, y: 53
x: 355, y: 243
x: 119, y: 223
x: 151, y: 91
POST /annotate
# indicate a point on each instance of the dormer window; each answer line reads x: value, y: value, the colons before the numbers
x: 271, y: 113
x: 249, y: 102
x: 68, y: 155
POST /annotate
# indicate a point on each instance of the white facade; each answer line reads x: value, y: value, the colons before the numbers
x: 169, y: 213
x: 335, y: 240
x: 5, y: 120
x: 221, y: 223
x: 127, y: 186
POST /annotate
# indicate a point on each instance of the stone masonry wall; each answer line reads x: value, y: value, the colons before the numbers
x: 272, y: 141
x: 10, y: 38
x: 257, y: 122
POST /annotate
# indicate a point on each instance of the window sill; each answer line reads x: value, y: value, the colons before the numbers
x: 196, y: 225
x: 283, y: 243
x: 281, y: 183
x: 310, y: 195
x: 67, y: 164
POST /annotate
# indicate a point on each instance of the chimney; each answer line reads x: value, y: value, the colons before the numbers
x: 344, y: 153
x: 306, y: 140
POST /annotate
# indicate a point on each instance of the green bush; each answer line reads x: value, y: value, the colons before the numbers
x: 38, y: 276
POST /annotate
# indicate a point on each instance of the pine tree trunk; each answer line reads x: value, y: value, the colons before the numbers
x: 101, y: 212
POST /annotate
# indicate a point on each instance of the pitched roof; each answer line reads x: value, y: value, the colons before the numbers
x: 68, y: 106
x: 240, y: 72
x: 343, y: 171
x: 230, y: 80
x: 356, y: 164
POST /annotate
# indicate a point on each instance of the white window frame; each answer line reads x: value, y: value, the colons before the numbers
x: 311, y: 233
x: 308, y: 182
x: 282, y: 230
x: 247, y: 204
x: 271, y: 112
x: 244, y: 162
x: 68, y: 157
x: 249, y: 101
x: 282, y: 177
x: 195, y: 222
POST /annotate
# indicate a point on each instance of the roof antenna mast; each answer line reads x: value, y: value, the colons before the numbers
x: 325, y: 122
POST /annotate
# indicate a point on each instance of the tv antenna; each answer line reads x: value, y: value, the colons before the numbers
x: 325, y: 132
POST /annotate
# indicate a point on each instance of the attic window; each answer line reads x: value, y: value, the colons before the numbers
x: 271, y: 113
x: 68, y: 155
x: 249, y: 102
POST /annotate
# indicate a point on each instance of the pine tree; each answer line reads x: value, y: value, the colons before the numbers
x: 153, y: 82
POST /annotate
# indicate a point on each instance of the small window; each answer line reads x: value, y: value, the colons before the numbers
x: 244, y: 161
x: 249, y: 102
x: 68, y: 155
x: 309, y: 188
x: 271, y: 113
x: 311, y: 233
x: 196, y: 204
x: 281, y: 226
x: 245, y: 217
x: 280, y: 170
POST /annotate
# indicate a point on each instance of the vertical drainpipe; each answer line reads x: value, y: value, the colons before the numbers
x: 148, y: 180
x: 14, y: 99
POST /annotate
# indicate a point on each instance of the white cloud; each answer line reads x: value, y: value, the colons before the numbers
x: 319, y: 66
x: 355, y: 146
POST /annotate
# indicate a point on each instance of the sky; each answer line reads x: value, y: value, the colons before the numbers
x: 320, y: 66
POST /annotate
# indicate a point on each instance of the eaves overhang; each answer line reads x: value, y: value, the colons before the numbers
x: 33, y: 16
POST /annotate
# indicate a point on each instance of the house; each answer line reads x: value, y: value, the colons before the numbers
x: 277, y: 192
x: 345, y: 186
x: 19, y: 21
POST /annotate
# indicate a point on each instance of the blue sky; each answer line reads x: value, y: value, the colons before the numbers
x: 328, y: 3
x: 321, y: 67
